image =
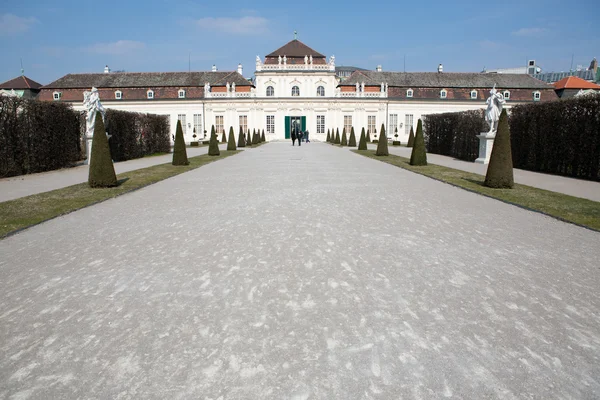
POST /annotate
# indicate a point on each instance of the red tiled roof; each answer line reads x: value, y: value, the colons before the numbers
x: 20, y: 82
x: 573, y: 82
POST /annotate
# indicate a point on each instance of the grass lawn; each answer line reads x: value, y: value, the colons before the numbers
x: 19, y: 214
x: 564, y: 207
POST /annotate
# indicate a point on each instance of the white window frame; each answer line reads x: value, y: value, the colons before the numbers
x: 320, y: 124
x: 272, y: 91
x: 443, y: 94
x: 537, y: 96
x: 321, y: 91
x: 118, y: 95
x: 219, y: 125
x: 198, y: 126
x: 271, y: 124
x: 56, y: 95
x: 393, y: 126
x: 506, y: 95
x: 473, y: 94
x: 150, y: 94
x: 348, y: 123
x: 243, y: 122
x: 295, y: 91
x: 408, y: 123
x: 371, y: 123
x: 409, y: 93
x: 182, y: 118
x: 181, y: 94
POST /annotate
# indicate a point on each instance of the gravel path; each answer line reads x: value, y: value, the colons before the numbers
x: 300, y: 273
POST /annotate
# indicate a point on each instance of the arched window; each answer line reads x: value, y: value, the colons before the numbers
x: 270, y: 91
x: 321, y: 91
x: 409, y: 93
x: 295, y: 91
x: 474, y: 94
x: 536, y: 96
x: 443, y: 94
x: 506, y: 95
x: 150, y: 94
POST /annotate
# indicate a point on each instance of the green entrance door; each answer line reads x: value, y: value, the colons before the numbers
x: 294, y: 124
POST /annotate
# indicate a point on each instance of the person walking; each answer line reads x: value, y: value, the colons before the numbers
x: 294, y: 137
x: 306, y: 136
x: 300, y: 138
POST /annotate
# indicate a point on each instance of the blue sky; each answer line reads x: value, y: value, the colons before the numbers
x: 54, y: 38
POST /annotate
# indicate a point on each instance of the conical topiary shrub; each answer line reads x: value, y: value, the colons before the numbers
x: 262, y: 138
x: 213, y: 144
x: 327, y: 135
x: 500, y: 170
x: 231, y: 142
x: 352, y: 140
x: 337, y: 136
x: 419, y: 155
x: 368, y: 136
x: 362, y: 143
x: 411, y: 138
x: 223, y: 137
x: 241, y: 138
x: 179, y: 152
x: 382, y: 146
x: 248, y: 139
x: 344, y: 141
x: 254, y: 137
x: 102, y: 171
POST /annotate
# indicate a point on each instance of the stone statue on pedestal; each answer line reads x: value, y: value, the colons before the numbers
x: 91, y: 103
x: 494, y: 108
x: 305, y: 60
x: 279, y: 60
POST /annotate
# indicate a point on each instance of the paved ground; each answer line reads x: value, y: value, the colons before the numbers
x: 25, y: 185
x: 300, y: 273
x: 555, y: 183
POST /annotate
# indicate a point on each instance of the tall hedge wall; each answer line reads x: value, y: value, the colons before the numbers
x: 559, y: 137
x: 37, y: 136
x: 454, y: 134
x: 134, y: 135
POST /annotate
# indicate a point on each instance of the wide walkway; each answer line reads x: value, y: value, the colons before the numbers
x: 555, y: 183
x: 26, y: 185
x: 300, y: 273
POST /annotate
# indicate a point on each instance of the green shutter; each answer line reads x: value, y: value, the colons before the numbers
x: 303, y: 124
x: 287, y: 127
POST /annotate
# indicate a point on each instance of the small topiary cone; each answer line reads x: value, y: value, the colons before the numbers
x: 223, y: 137
x: 102, y: 171
x: 337, y: 136
x: 344, y: 138
x: 241, y: 138
x: 382, y: 146
x: 213, y: 144
x: 419, y: 154
x: 362, y: 143
x: 254, y: 138
x: 368, y: 136
x: 352, y: 140
x: 262, y: 138
x: 179, y: 151
x: 411, y: 138
x: 328, y: 136
x: 500, y: 170
x: 248, y: 140
x: 231, y: 142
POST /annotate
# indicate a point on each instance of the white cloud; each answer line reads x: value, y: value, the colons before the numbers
x: 116, y: 48
x: 248, y: 25
x: 11, y: 24
x: 529, y: 32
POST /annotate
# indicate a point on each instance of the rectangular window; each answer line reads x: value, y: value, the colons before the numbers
x: 270, y: 124
x: 408, y: 123
x: 320, y: 124
x: 244, y: 122
x: 218, y: 125
x: 348, y: 123
x: 181, y: 117
x: 393, y: 125
x: 198, y: 126
x: 371, y: 123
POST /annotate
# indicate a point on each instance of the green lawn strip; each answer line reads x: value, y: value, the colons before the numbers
x: 24, y: 212
x: 567, y: 208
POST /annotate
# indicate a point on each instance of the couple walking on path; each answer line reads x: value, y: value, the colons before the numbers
x: 300, y: 135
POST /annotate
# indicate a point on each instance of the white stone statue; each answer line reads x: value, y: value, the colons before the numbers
x: 332, y: 61
x: 362, y: 86
x: 91, y: 103
x: 310, y: 59
x: 233, y: 87
x: 279, y: 60
x: 284, y: 60
x: 206, y: 88
x: 357, y: 88
x: 494, y: 109
x: 257, y: 59
x: 305, y: 60
x: 382, y: 87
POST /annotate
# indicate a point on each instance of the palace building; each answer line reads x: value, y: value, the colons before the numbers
x: 296, y: 87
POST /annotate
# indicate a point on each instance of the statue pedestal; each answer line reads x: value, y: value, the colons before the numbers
x: 88, y: 149
x: 486, y: 143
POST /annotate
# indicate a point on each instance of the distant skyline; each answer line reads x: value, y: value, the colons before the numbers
x: 56, y: 38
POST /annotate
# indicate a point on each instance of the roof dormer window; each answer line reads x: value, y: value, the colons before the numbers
x: 118, y: 95
x: 443, y: 94
x: 409, y: 93
x: 181, y: 94
x: 537, y: 96
x: 474, y: 94
x: 56, y: 95
x: 150, y: 94
x: 506, y: 95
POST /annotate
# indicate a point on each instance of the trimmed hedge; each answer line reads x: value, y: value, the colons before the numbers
x: 37, y: 136
x: 454, y: 134
x: 559, y: 137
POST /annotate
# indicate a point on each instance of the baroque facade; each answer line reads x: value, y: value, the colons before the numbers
x: 295, y: 87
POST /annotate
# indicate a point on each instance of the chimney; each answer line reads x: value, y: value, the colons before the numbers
x: 240, y: 69
x: 106, y: 70
x: 378, y: 69
x: 440, y: 68
x: 214, y: 68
